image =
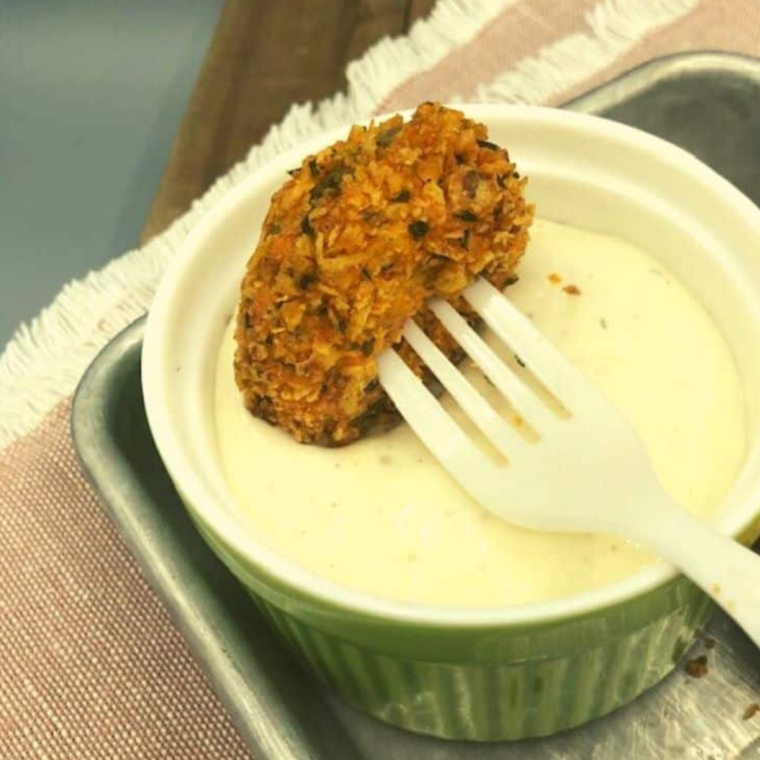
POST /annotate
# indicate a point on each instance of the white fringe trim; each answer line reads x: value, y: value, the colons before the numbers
x: 45, y: 359
x: 615, y: 26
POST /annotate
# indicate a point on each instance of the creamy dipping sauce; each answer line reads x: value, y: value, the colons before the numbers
x: 382, y: 516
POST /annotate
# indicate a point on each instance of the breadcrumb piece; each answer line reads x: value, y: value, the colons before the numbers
x: 352, y: 246
x: 697, y: 666
x: 751, y: 711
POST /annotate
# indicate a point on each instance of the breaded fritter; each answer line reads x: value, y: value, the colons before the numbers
x: 352, y: 246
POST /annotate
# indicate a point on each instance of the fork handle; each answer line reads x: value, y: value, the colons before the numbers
x: 727, y: 571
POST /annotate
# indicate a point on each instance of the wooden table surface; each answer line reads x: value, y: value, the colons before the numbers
x: 266, y: 55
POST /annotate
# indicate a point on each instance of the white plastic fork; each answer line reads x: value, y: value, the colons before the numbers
x: 588, y: 472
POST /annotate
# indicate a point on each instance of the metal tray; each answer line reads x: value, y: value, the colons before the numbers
x: 708, y: 103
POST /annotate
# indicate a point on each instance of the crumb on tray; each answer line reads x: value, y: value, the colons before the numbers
x: 696, y: 667
x: 750, y: 711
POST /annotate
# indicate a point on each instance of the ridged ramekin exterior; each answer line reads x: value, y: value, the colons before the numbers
x: 499, y: 700
x: 480, y: 683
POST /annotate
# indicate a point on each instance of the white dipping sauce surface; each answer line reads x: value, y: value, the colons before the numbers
x: 381, y: 515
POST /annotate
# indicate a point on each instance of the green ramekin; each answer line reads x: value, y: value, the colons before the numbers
x: 490, y: 674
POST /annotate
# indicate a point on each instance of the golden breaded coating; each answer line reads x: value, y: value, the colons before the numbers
x: 352, y: 246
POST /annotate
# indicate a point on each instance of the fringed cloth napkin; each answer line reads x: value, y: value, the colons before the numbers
x: 90, y: 664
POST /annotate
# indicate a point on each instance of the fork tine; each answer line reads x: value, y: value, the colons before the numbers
x: 521, y: 335
x: 508, y: 383
x: 433, y: 426
x: 489, y: 422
